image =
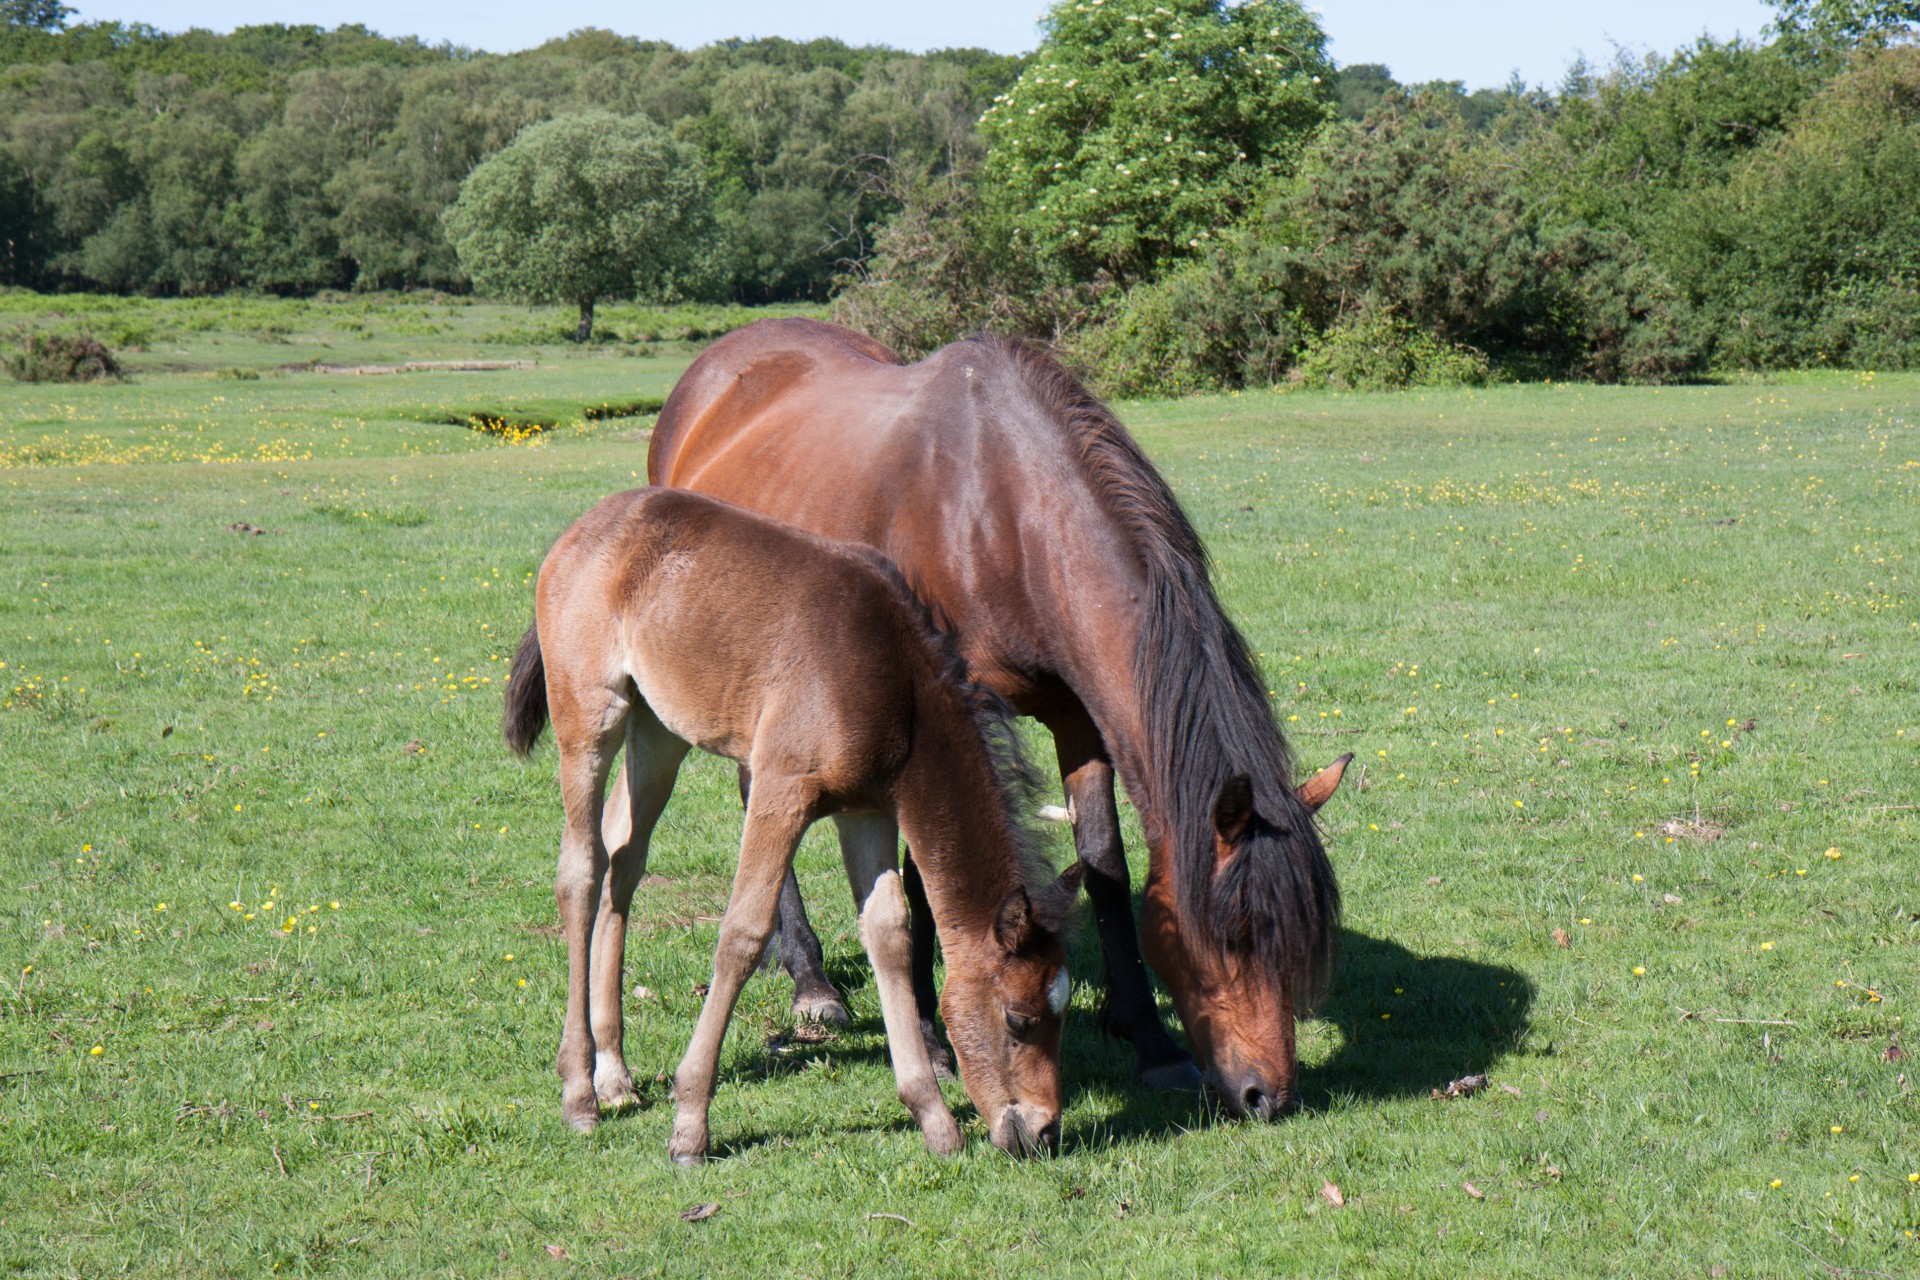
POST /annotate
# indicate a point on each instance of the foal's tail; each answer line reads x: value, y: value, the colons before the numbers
x: 526, y: 713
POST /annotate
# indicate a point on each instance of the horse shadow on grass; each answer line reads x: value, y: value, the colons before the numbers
x: 1404, y: 1024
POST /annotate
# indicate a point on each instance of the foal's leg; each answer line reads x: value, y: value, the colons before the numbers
x: 586, y: 724
x: 653, y: 762
x: 775, y: 823
x: 797, y: 947
x: 868, y: 844
x: 1129, y: 1010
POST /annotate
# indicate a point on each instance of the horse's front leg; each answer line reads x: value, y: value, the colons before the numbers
x: 1129, y: 1011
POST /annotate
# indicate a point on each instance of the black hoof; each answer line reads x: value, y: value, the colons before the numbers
x: 826, y: 1009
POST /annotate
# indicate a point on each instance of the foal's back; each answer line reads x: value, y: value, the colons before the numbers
x: 747, y: 637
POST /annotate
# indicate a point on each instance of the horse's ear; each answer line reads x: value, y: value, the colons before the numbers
x: 1233, y: 811
x: 1056, y: 900
x: 1013, y: 923
x: 1319, y: 789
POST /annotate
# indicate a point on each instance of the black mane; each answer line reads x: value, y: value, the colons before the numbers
x: 1205, y: 710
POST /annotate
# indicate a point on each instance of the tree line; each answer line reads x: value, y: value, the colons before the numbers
x: 292, y: 159
x: 1182, y: 195
x: 1188, y: 196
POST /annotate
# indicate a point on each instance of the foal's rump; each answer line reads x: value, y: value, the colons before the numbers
x: 742, y: 633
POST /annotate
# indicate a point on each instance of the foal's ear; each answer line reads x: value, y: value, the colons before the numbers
x: 1233, y: 810
x: 1013, y: 923
x: 1055, y: 903
x: 1319, y: 789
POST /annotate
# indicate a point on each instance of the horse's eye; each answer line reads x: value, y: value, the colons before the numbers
x: 1021, y: 1024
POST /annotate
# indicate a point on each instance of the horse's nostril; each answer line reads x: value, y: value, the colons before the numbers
x: 1258, y: 1102
x: 1050, y: 1138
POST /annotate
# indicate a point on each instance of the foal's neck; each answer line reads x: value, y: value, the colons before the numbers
x: 951, y: 807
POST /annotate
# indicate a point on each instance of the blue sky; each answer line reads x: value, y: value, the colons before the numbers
x: 1478, y: 41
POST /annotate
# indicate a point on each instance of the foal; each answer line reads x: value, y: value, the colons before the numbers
x: 666, y: 619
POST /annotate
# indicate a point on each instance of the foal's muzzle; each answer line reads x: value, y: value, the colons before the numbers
x: 1024, y: 1130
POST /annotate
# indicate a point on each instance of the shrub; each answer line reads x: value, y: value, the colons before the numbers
x: 1375, y: 350
x: 62, y: 357
x: 932, y: 278
x: 1228, y: 320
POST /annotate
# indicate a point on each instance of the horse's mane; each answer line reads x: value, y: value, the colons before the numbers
x: 1017, y: 783
x: 1204, y: 708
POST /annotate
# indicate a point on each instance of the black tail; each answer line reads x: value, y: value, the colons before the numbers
x: 526, y: 713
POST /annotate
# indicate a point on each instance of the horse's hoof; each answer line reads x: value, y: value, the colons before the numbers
x: 584, y: 1121
x: 1173, y: 1077
x: 827, y: 1010
x: 689, y: 1159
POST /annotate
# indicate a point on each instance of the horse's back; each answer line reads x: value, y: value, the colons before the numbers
x: 958, y: 467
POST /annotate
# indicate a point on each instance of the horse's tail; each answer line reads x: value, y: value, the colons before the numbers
x: 526, y: 713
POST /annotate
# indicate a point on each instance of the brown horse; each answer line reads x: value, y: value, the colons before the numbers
x: 667, y: 619
x: 1022, y: 511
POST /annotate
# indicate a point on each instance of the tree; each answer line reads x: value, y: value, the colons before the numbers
x: 1138, y: 130
x: 41, y: 15
x: 585, y: 207
x: 1846, y: 22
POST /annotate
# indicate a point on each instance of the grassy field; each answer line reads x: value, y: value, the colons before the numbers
x: 1631, y: 673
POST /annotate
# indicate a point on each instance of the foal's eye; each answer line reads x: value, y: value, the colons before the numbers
x: 1021, y: 1024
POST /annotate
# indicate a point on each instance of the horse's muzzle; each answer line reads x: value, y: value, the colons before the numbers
x: 1253, y: 1097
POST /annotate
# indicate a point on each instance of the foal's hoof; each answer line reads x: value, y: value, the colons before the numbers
x: 943, y: 1135
x: 688, y: 1146
x: 1173, y: 1077
x: 824, y: 1008
x: 614, y: 1089
x: 579, y: 1106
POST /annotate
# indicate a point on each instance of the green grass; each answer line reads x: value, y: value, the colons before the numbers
x: 1531, y: 611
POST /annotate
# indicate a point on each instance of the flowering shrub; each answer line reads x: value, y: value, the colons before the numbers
x: 1139, y: 130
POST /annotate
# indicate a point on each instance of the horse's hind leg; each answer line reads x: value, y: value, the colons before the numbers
x: 868, y: 846
x: 653, y: 762
x: 797, y: 948
x: 775, y: 822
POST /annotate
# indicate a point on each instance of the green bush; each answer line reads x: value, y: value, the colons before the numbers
x: 1376, y: 350
x: 1228, y: 320
x: 1810, y: 254
x: 62, y: 357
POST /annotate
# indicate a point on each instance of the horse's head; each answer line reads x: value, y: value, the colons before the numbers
x: 1004, y: 1012
x: 1239, y: 976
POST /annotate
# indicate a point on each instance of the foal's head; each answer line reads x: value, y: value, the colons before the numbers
x: 1004, y: 1006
